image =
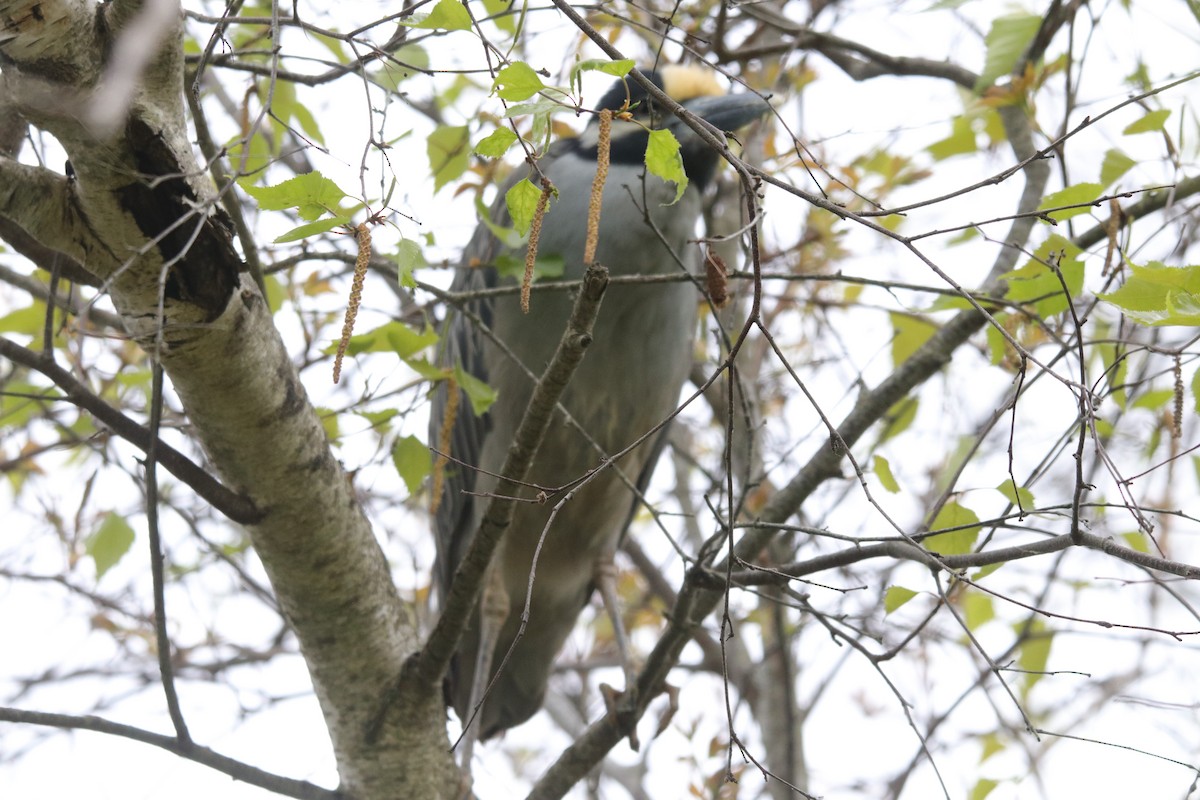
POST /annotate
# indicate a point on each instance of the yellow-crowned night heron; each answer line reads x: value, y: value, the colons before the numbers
x: 628, y: 382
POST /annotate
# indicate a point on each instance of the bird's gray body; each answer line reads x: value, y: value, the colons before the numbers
x: 629, y: 382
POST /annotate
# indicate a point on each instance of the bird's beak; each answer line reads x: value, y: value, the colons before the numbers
x: 726, y: 113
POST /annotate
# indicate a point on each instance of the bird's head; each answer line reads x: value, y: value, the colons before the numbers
x: 697, y: 91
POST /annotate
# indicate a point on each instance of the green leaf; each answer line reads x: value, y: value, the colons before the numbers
x: 311, y: 194
x: 978, y: 609
x: 1136, y: 541
x: 898, y: 418
x: 447, y: 15
x: 1114, y: 166
x: 910, y: 333
x: 955, y: 542
x: 496, y: 143
x: 1020, y: 496
x: 1037, y: 283
x: 394, y: 337
x: 1196, y: 391
x: 883, y: 471
x: 449, y: 152
x: 413, y: 462
x: 983, y: 572
x: 617, y: 69
x: 992, y: 744
x: 522, y: 200
x: 982, y: 788
x: 428, y: 371
x: 109, y: 543
x: 1153, y: 121
x: 664, y: 160
x: 1155, y: 400
x: 896, y: 596
x: 408, y: 257
x: 479, y: 393
x: 517, y: 82
x: 1006, y: 43
x: 1081, y: 196
x: 312, y: 228
x: 1158, y: 295
x: 1034, y: 651
x: 960, y: 141
x: 499, y: 14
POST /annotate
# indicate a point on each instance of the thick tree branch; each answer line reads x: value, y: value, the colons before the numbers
x: 233, y: 505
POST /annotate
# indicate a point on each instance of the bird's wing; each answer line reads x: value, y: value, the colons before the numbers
x: 462, y: 343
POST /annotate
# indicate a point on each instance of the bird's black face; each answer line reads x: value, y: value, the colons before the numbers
x: 725, y: 112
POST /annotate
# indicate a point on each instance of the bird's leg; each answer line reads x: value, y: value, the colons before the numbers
x: 606, y: 582
x: 493, y: 611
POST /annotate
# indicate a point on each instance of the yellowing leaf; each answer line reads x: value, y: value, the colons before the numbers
x: 522, y: 200
x: 896, y: 596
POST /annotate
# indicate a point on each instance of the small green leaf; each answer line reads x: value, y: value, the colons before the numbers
x: 1159, y: 295
x: 110, y: 542
x: 1155, y: 400
x: 982, y: 788
x: 1080, y: 196
x: 479, y: 393
x: 449, y: 152
x: 960, y: 141
x: 664, y: 160
x: 408, y: 257
x: 1136, y: 541
x: 954, y: 542
x: 910, y: 333
x: 428, y: 371
x: 992, y: 744
x: 883, y: 471
x: 395, y: 337
x: 1114, y: 166
x: 312, y: 229
x: 500, y: 14
x: 978, y: 609
x: 496, y: 143
x: 1196, y: 391
x: 517, y: 82
x: 1153, y: 121
x: 311, y: 194
x: 896, y: 596
x: 617, y: 69
x: 412, y: 460
x: 983, y: 572
x: 447, y: 15
x: 1020, y: 496
x: 1037, y: 283
x: 522, y: 200
x: 1006, y: 42
x: 1034, y: 651
x: 898, y: 418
